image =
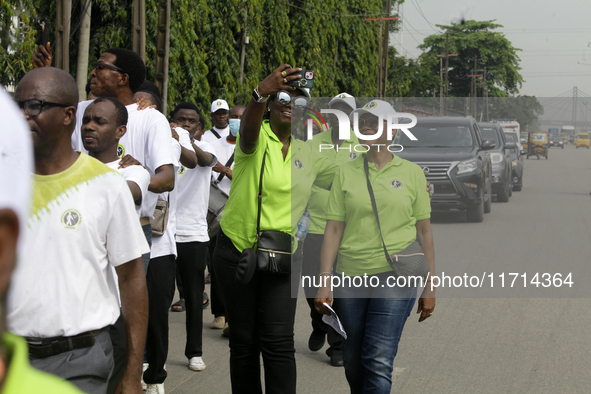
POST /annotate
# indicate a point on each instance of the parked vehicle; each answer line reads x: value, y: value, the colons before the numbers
x: 582, y: 140
x: 500, y: 159
x: 456, y: 160
x: 516, y: 163
x: 537, y: 144
x: 556, y: 141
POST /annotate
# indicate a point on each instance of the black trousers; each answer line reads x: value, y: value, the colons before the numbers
x: 119, y: 340
x: 262, y: 315
x: 160, y: 281
x: 191, y: 260
x: 217, y: 301
x: 311, y: 268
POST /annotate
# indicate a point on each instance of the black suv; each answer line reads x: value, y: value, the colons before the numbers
x: 453, y: 153
x: 500, y: 158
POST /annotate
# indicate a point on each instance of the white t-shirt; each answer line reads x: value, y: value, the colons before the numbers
x: 82, y: 220
x: 193, y: 199
x: 210, y: 138
x: 224, y: 150
x: 147, y: 139
x: 166, y: 244
x: 136, y: 174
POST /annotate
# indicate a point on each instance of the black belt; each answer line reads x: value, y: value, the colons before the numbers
x: 45, y: 347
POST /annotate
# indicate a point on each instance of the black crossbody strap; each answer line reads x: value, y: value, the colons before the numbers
x: 375, y: 208
x: 228, y: 164
x: 260, y: 195
x: 217, y: 135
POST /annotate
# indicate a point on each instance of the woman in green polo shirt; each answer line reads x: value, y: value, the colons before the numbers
x: 373, y: 314
x: 262, y: 312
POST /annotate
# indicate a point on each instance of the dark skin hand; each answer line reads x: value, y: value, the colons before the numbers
x: 252, y: 118
x: 227, y: 171
x: 134, y: 307
x: 43, y: 57
x: 188, y: 159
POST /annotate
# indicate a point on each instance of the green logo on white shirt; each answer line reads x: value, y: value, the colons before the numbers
x: 71, y: 219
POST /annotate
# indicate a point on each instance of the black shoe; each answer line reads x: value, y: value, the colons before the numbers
x: 316, y: 341
x: 336, y: 360
x: 205, y: 300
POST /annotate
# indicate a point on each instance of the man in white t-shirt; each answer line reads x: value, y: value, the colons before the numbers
x: 224, y: 147
x: 191, y: 237
x: 82, y: 221
x: 119, y: 73
x: 219, y: 118
x: 103, y: 124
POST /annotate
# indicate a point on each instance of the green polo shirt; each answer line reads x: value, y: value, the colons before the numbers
x: 21, y: 378
x: 319, y: 198
x: 287, y: 186
x: 400, y: 189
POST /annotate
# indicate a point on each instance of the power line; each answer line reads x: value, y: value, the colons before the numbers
x: 418, y: 7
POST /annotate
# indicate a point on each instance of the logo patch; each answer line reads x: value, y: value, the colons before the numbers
x: 71, y: 219
x: 396, y: 184
x: 352, y: 156
x: 120, y: 151
x: 298, y: 164
x: 342, y: 95
x: 182, y: 170
x: 370, y: 105
x: 218, y: 103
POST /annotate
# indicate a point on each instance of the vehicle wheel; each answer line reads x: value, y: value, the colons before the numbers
x: 562, y: 146
x: 538, y: 156
x: 476, y: 213
x: 503, y: 196
x: 510, y: 191
x: 488, y: 203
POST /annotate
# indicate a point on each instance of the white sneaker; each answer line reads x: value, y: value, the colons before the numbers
x: 196, y: 364
x: 155, y: 388
x: 218, y: 323
x: 144, y: 385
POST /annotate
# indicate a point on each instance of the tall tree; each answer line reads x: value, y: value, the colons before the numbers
x: 476, y: 40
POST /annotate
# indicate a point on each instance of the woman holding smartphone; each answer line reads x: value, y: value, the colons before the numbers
x: 373, y: 317
x: 262, y: 311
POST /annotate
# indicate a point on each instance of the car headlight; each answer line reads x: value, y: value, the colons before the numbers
x: 496, y: 158
x: 514, y: 163
x: 467, y: 166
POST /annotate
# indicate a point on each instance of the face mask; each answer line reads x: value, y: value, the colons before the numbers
x: 234, y: 126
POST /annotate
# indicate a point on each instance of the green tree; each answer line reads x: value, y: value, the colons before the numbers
x: 411, y: 77
x: 525, y: 109
x: 476, y: 40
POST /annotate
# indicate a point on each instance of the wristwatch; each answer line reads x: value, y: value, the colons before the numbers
x: 256, y: 96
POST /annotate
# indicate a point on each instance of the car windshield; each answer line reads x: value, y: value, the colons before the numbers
x: 439, y: 136
x: 510, y: 137
x: 556, y: 138
x: 583, y: 136
x: 488, y: 133
x: 540, y: 137
x: 523, y: 137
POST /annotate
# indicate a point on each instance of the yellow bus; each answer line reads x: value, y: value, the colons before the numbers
x: 582, y: 140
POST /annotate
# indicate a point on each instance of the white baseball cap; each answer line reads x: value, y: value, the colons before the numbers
x: 306, y: 92
x: 16, y: 161
x: 219, y: 104
x: 343, y: 98
x: 376, y: 108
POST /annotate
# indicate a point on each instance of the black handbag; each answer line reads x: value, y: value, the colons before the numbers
x: 271, y: 251
x: 411, y: 260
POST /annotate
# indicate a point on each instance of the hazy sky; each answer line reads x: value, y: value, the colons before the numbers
x: 555, y: 36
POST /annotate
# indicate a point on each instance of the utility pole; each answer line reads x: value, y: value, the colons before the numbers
x: 382, y: 52
x: 446, y: 86
x: 83, y: 43
x: 485, y: 87
x: 62, y: 39
x: 575, y: 97
x: 441, y: 86
x: 139, y: 28
x: 162, y: 49
x: 245, y: 41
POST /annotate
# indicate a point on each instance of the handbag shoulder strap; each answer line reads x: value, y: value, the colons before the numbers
x: 375, y: 208
x: 260, y: 195
x: 217, y: 135
x: 228, y: 164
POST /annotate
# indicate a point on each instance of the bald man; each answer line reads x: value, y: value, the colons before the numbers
x: 63, y: 296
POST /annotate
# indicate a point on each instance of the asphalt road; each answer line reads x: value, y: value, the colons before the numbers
x: 531, y: 340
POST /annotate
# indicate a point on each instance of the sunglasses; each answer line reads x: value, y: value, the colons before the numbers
x: 372, y: 122
x: 33, y: 107
x: 101, y: 66
x: 285, y: 99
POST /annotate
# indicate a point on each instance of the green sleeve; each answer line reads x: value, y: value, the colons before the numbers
x: 325, y: 171
x: 421, y: 208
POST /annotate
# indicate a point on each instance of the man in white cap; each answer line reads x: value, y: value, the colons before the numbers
x: 342, y: 151
x: 16, y: 166
x: 220, y: 120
